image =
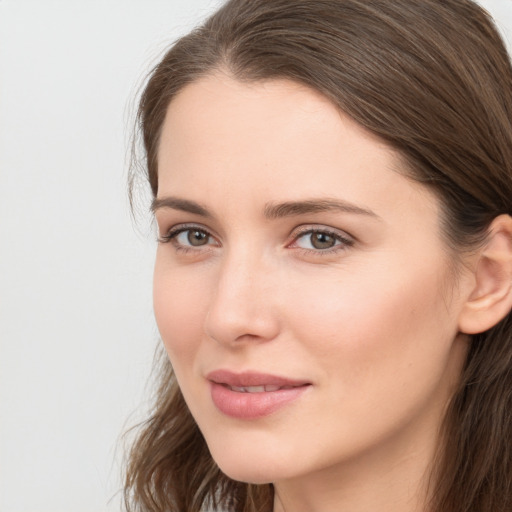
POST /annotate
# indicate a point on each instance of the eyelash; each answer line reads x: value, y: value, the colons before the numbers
x: 344, y: 241
x: 170, y: 237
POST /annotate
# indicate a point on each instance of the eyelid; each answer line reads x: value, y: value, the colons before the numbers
x: 174, y: 231
x: 345, y: 239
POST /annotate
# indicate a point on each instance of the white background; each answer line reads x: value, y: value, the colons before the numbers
x: 77, y: 333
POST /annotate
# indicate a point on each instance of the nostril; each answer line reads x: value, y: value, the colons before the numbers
x: 241, y: 325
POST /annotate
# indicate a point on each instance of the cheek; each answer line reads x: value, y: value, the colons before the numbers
x: 180, y: 303
x: 389, y: 328
x: 380, y: 347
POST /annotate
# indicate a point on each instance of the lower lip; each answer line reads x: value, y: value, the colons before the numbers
x: 249, y: 406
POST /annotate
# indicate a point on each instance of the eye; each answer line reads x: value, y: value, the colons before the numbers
x: 188, y: 238
x: 317, y: 240
x: 321, y: 240
x: 192, y: 237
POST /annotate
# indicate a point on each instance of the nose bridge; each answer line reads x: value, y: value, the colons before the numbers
x: 241, y: 307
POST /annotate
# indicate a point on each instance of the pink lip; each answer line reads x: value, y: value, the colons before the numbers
x: 252, y: 405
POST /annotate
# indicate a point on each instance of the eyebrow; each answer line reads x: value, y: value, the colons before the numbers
x: 292, y: 208
x: 183, y: 205
x: 271, y: 210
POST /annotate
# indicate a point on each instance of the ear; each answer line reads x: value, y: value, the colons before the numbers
x: 490, y: 298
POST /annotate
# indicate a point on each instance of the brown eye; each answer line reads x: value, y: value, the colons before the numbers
x: 321, y: 240
x: 190, y: 237
x: 317, y: 240
x: 197, y: 238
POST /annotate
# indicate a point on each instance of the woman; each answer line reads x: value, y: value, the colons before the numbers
x: 332, y: 184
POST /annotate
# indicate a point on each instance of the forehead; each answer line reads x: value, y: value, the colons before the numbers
x: 277, y: 140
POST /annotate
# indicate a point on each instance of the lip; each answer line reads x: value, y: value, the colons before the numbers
x: 252, y: 405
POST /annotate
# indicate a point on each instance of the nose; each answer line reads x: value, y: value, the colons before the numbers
x: 243, y: 305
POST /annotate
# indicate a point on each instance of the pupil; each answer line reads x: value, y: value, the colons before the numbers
x: 197, y: 237
x: 322, y: 241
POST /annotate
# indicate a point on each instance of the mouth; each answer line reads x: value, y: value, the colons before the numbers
x: 253, y: 382
x: 256, y: 389
x: 252, y: 395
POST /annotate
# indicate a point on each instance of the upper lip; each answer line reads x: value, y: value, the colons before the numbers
x: 251, y: 378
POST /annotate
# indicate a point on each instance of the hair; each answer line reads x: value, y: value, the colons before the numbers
x: 431, y: 78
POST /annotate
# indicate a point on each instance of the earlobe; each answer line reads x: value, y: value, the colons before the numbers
x: 490, y: 300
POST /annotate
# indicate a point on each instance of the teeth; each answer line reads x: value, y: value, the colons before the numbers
x: 257, y: 389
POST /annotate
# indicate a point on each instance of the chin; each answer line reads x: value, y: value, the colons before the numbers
x: 253, y: 474
x: 252, y: 466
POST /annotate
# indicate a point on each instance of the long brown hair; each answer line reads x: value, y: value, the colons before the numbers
x: 433, y: 79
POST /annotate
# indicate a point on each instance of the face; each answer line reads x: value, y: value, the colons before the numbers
x: 302, y: 288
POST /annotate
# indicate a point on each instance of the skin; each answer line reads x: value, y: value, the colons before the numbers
x: 371, y: 323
